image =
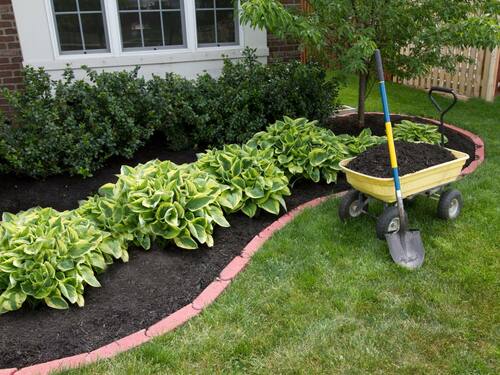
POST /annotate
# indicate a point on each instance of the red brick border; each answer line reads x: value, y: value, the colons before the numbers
x: 210, y: 293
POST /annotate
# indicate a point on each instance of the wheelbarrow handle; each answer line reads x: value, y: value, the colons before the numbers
x: 442, y: 112
x: 446, y: 91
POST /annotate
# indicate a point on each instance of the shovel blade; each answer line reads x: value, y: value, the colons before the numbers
x: 406, y: 248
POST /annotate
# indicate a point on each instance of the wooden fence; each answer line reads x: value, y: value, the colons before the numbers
x: 477, y: 79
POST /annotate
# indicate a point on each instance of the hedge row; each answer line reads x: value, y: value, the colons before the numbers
x: 50, y: 256
x: 73, y: 126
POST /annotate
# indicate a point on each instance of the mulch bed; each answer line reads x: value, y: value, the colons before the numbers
x: 152, y: 285
x: 412, y: 157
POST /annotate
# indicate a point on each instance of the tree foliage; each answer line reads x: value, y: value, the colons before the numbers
x: 345, y: 33
x: 351, y: 30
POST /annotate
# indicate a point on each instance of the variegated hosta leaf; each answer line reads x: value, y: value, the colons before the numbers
x: 303, y: 149
x: 253, y: 178
x: 49, y: 255
x: 159, y: 200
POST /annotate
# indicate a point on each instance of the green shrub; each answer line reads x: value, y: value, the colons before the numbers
x: 302, y: 149
x: 159, y: 200
x: 415, y: 132
x: 254, y: 180
x: 49, y: 256
x: 175, y: 101
x: 249, y: 95
x: 74, y: 125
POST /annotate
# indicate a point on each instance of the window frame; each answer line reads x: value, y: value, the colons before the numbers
x: 160, y: 10
x: 115, y: 49
x: 237, y: 26
x: 78, y: 13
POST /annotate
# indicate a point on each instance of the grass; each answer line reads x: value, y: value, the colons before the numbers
x: 325, y: 297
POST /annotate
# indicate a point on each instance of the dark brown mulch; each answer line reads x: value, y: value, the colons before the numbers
x: 348, y: 125
x: 151, y: 285
x: 412, y: 157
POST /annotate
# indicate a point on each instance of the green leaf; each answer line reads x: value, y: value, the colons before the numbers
x: 185, y: 241
x: 68, y: 291
x: 255, y: 192
x: 218, y: 216
x: 80, y: 248
x: 56, y: 302
x: 249, y: 209
x: 198, y: 202
x: 230, y: 199
x: 89, y: 277
x: 318, y: 156
x: 271, y: 205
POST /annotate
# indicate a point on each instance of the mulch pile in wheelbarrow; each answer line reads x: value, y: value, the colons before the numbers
x: 412, y: 157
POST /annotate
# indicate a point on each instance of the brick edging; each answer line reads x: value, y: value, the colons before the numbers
x: 176, y: 319
x: 212, y: 291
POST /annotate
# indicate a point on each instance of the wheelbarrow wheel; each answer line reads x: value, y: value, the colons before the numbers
x: 351, y: 205
x: 388, y: 222
x: 450, y: 205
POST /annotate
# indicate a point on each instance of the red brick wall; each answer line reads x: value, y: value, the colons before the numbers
x: 280, y: 50
x: 10, y: 51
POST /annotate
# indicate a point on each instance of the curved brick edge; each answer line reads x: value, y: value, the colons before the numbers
x: 179, y: 317
x: 478, y: 142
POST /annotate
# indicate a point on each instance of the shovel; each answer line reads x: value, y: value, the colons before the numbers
x: 405, y: 245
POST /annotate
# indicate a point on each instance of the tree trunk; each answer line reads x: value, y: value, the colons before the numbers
x: 363, y: 80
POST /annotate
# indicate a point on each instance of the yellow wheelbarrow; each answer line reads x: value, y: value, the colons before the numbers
x: 430, y: 182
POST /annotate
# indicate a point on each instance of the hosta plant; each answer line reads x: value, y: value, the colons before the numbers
x: 357, y: 144
x: 50, y: 256
x: 253, y: 178
x: 159, y: 200
x: 302, y: 149
x: 415, y: 132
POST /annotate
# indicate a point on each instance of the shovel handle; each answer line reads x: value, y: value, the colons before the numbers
x: 390, y: 139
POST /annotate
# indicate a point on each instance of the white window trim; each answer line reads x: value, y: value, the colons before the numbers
x: 112, y: 24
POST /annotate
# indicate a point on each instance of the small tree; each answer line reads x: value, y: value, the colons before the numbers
x: 347, y: 32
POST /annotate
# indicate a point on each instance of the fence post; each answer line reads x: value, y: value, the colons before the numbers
x: 491, y: 83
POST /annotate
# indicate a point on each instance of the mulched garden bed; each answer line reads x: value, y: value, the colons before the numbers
x: 412, y: 157
x: 152, y: 285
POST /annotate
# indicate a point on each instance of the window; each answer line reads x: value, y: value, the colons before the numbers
x: 151, y: 24
x: 216, y: 22
x: 80, y: 26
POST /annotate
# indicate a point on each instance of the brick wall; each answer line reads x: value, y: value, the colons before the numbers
x: 10, y: 51
x: 281, y: 50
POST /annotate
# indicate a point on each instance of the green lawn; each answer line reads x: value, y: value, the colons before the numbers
x: 325, y: 297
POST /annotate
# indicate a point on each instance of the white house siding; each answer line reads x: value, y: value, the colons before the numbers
x: 39, y: 45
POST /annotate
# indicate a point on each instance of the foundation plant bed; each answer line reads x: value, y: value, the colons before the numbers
x: 152, y: 285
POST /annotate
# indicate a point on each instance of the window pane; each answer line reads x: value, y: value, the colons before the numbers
x: 127, y: 4
x: 86, y: 5
x: 224, y: 3
x: 173, y: 28
x: 205, y: 25
x: 150, y: 4
x: 205, y: 4
x: 65, y: 5
x: 151, y: 24
x: 170, y: 4
x: 68, y: 28
x: 225, y: 26
x: 93, y: 31
x: 131, y: 30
